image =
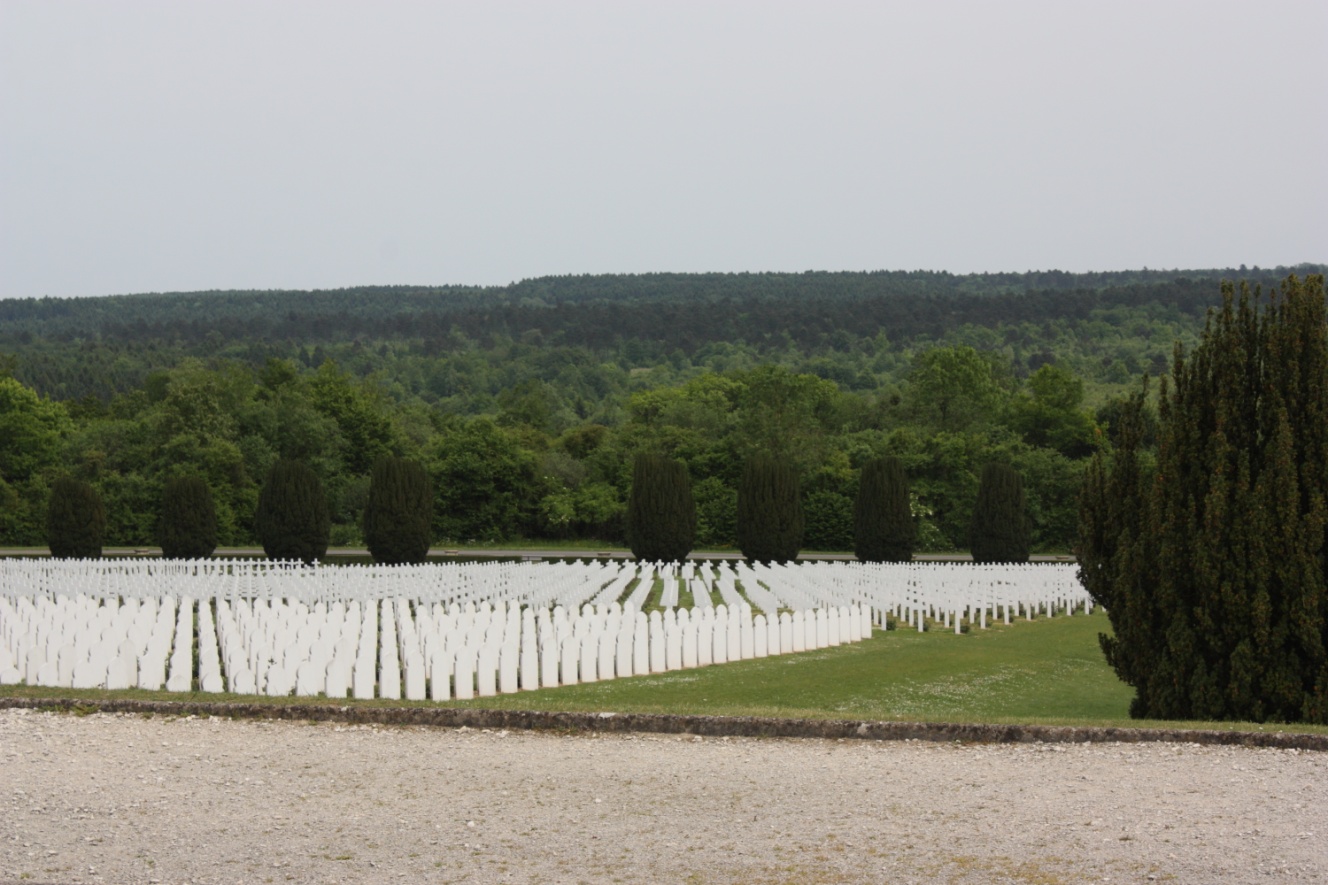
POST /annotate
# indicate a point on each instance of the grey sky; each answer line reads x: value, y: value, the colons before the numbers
x: 200, y: 145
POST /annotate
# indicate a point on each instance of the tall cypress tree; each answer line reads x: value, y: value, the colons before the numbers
x: 661, y: 513
x: 1219, y: 602
x: 292, y: 520
x: 883, y: 520
x: 1000, y: 528
x: 75, y: 520
x: 399, y: 513
x: 770, y: 520
x: 187, y: 528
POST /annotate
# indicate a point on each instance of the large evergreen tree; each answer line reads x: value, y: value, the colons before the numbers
x: 1000, y: 527
x: 75, y: 520
x: 1116, y: 547
x: 188, y: 525
x: 292, y: 520
x: 399, y: 513
x: 770, y: 520
x: 661, y: 513
x: 1218, y: 598
x: 883, y: 520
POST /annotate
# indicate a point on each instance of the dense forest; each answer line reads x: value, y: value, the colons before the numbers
x: 528, y: 403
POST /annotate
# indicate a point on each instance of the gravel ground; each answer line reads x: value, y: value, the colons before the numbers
x: 128, y: 798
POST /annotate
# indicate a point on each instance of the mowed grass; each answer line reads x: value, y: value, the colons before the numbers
x: 1045, y: 672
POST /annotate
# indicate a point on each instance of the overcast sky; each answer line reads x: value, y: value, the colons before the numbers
x: 223, y: 145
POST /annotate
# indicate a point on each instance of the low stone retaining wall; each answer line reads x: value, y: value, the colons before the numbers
x: 709, y: 726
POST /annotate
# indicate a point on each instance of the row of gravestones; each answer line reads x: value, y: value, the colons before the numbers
x: 428, y: 651
x: 82, y: 643
x: 951, y: 594
x: 535, y: 584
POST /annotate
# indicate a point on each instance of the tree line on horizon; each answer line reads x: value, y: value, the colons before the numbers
x: 459, y: 348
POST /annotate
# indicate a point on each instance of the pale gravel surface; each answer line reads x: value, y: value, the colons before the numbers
x: 125, y: 798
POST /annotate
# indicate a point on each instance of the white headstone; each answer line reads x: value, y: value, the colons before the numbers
x: 590, y: 657
x: 508, y: 667
x: 415, y: 680
x: 440, y: 676
x: 464, y: 669
x: 571, y: 656
x: 760, y: 637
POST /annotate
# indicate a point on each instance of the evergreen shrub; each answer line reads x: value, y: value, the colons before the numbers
x: 770, y: 522
x: 75, y: 520
x: 883, y: 519
x: 292, y: 520
x: 399, y: 512
x: 187, y: 528
x: 999, y: 531
x: 661, y: 513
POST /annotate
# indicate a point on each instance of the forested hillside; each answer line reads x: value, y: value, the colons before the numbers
x: 528, y: 402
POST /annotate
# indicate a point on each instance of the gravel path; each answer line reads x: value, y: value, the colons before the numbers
x: 127, y: 798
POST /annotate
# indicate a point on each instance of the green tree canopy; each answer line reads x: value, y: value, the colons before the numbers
x: 1051, y: 415
x: 954, y: 389
x: 32, y: 430
x: 359, y: 412
x: 488, y: 486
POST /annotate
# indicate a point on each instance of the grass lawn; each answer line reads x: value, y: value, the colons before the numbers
x: 1046, y: 672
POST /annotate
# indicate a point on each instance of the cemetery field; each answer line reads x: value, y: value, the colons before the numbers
x: 1045, y: 672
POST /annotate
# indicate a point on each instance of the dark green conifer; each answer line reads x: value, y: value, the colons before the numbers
x: 999, y: 530
x: 882, y: 517
x: 1115, y: 538
x: 188, y: 525
x: 1218, y: 601
x: 661, y: 513
x: 75, y: 520
x: 399, y: 513
x: 292, y: 520
x: 770, y: 520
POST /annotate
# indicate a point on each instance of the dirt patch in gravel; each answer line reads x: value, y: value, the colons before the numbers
x: 132, y: 797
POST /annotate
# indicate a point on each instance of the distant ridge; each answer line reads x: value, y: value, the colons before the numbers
x: 104, y: 345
